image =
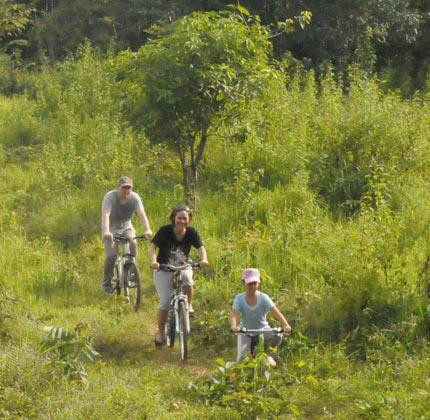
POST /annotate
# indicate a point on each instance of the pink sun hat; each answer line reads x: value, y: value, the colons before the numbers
x: 251, y: 275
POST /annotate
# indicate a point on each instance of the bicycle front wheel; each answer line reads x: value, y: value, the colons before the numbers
x: 170, y: 329
x: 116, y: 280
x: 132, y: 285
x: 183, y: 331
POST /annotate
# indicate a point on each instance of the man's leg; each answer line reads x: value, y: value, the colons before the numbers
x: 111, y: 252
x: 130, y: 234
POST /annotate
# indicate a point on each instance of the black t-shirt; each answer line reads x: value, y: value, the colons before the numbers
x: 172, y: 251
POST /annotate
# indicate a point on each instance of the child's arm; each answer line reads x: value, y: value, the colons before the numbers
x: 234, y: 316
x: 278, y: 315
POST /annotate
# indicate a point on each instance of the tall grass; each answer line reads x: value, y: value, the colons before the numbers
x: 326, y: 192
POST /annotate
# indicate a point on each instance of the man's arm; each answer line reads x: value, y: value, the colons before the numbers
x: 107, y: 234
x: 145, y: 222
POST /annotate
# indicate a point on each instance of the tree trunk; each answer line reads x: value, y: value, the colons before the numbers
x: 190, y: 166
x: 189, y: 181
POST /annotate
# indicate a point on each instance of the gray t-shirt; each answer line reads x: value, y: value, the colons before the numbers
x: 253, y: 317
x: 121, y: 213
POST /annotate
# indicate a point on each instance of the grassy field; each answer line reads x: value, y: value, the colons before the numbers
x: 326, y: 191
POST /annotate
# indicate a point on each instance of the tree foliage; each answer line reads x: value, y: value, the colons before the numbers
x: 14, y: 18
x: 343, y: 32
x: 390, y: 37
x: 197, y: 70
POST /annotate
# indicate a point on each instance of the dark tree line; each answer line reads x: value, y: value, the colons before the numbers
x: 388, y: 36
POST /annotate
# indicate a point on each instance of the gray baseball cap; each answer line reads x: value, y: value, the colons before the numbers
x: 125, y: 181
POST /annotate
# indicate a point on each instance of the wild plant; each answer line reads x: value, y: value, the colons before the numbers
x: 67, y: 349
x: 7, y: 303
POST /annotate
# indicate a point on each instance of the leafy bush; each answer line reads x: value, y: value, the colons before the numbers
x: 66, y: 350
x: 247, y: 387
x: 20, y: 127
x: 211, y: 330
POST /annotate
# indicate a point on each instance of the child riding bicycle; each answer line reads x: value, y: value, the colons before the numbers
x: 252, y: 307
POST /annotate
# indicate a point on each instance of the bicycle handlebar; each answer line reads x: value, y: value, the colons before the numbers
x: 124, y: 239
x: 172, y: 268
x: 277, y: 330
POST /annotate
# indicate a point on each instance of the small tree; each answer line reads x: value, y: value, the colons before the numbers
x: 199, y: 68
x: 14, y: 18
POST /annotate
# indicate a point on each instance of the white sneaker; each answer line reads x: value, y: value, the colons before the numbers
x: 270, y: 361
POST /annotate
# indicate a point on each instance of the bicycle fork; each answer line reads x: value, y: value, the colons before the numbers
x: 123, y: 280
x: 181, y: 298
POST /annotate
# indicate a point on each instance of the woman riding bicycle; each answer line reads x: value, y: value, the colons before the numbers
x: 252, y: 307
x: 174, y: 243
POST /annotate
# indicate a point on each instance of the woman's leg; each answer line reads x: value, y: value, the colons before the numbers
x: 163, y: 285
x: 187, y: 283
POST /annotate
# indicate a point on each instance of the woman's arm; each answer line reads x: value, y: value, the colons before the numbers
x: 153, y: 256
x: 278, y: 315
x: 203, y: 257
x: 234, y: 317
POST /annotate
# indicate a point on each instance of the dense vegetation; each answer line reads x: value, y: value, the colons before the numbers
x: 322, y: 182
x: 390, y: 37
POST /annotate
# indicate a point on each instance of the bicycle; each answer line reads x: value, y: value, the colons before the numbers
x: 126, y: 276
x: 178, y: 320
x: 257, y: 334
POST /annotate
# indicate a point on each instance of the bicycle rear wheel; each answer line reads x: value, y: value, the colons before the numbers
x: 183, y: 332
x: 170, y: 329
x: 116, y: 280
x: 132, y: 285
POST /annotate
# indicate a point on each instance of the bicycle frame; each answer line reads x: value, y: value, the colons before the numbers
x: 178, y: 295
x: 122, y: 259
x: 178, y: 310
x: 125, y: 259
x: 257, y: 334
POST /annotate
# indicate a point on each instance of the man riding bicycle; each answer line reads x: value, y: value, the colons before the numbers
x: 118, y: 208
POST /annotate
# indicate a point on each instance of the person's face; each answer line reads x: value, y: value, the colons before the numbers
x: 252, y: 287
x: 182, y: 219
x: 124, y: 192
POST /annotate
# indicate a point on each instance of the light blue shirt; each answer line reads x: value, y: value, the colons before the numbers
x: 253, y: 317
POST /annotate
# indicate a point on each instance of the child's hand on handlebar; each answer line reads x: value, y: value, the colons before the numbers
x: 235, y: 329
x: 155, y: 265
x: 286, y: 328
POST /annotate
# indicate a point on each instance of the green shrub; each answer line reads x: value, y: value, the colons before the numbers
x: 67, y: 349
